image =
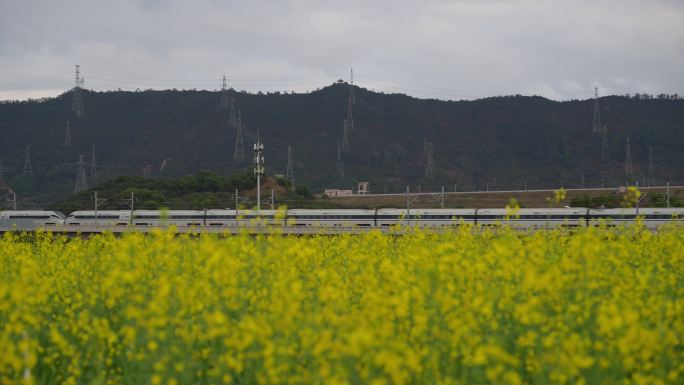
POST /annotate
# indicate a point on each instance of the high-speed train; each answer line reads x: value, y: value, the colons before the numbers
x: 341, y: 218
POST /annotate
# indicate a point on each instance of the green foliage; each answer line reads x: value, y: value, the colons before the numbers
x: 613, y: 201
x: 603, y: 201
x: 206, y: 190
x: 660, y: 200
x: 304, y: 192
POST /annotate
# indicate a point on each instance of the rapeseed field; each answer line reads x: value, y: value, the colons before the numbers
x: 593, y: 306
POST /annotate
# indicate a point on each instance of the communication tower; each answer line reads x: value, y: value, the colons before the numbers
x: 340, y: 166
x: 345, y: 136
x: 349, y: 120
x: 81, y: 181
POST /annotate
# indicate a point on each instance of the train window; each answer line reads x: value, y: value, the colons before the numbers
x: 29, y: 217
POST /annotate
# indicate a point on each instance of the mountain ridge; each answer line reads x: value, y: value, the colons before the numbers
x: 500, y: 142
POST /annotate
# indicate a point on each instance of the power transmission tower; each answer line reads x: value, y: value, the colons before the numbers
x: 147, y: 170
x: 345, y: 136
x: 651, y: 174
x: 93, y: 167
x: 628, y: 160
x: 67, y: 134
x: 163, y: 165
x: 11, y: 199
x: 605, y: 154
x: 28, y: 168
x: 425, y: 151
x: 81, y: 181
x: 429, y: 160
x: 290, y: 172
x: 239, y: 150
x: 352, y: 96
x: 3, y: 185
x: 225, y: 100
x: 340, y: 166
x: 596, y: 126
x: 232, y: 119
x: 77, y: 105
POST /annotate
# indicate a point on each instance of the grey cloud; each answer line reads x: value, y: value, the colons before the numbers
x: 443, y: 49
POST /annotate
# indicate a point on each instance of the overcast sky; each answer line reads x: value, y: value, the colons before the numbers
x: 458, y: 49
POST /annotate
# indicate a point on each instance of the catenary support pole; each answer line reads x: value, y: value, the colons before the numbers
x: 668, y: 194
x: 96, y: 208
x: 442, y: 197
x: 408, y: 208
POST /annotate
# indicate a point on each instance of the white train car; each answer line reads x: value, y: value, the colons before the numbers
x: 102, y: 218
x: 652, y: 217
x: 29, y: 219
x: 220, y: 218
x: 425, y: 217
x: 256, y: 218
x: 331, y: 218
x: 164, y: 218
x: 534, y: 218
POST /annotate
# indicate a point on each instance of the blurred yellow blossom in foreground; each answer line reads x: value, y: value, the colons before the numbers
x: 471, y: 306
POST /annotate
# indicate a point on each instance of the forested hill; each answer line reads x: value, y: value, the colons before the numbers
x: 500, y: 141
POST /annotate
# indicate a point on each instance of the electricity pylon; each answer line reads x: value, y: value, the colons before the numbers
x: 225, y: 100
x: 28, y: 167
x: 596, y: 126
x: 651, y: 174
x: 289, y: 174
x: 81, y: 181
x: 3, y: 185
x: 77, y: 103
x: 605, y: 154
x: 429, y: 161
x: 67, y: 134
x: 239, y: 150
x: 93, y: 167
x: 628, y: 160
